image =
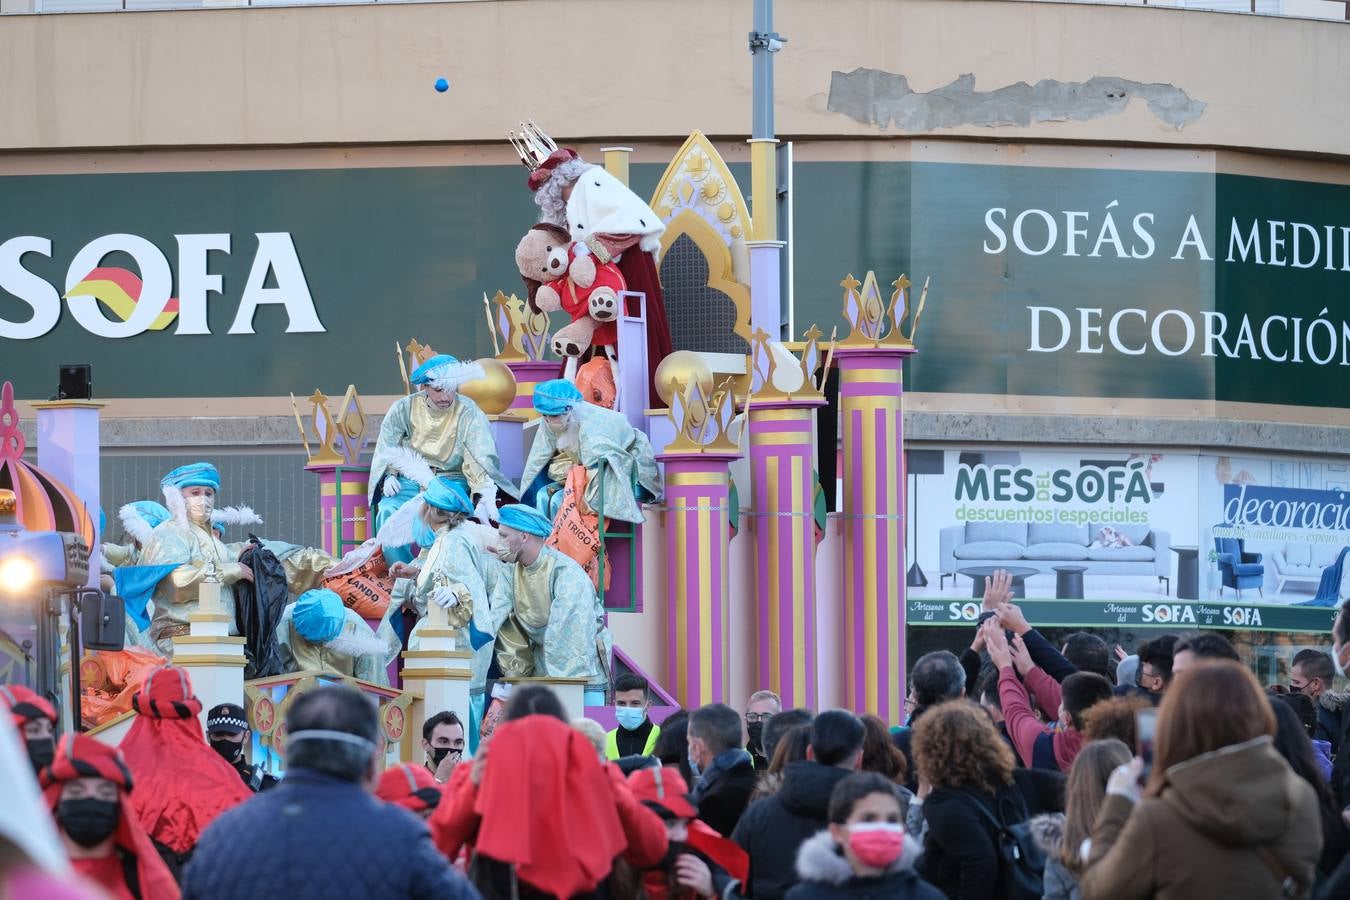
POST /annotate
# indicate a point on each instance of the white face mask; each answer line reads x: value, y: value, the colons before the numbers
x: 199, y: 509
x: 556, y: 424
x: 1336, y: 661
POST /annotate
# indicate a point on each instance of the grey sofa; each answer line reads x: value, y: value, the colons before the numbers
x: 1042, y: 547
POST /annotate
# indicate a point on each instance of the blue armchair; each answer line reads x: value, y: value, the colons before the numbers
x: 1239, y: 568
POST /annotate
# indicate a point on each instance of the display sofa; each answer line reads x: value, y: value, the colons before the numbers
x: 1042, y: 547
x: 1302, y: 561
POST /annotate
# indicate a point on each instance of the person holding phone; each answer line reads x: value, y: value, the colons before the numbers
x: 1220, y: 813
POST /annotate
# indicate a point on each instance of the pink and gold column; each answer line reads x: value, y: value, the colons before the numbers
x: 871, y: 387
x: 781, y: 419
x: 697, y: 487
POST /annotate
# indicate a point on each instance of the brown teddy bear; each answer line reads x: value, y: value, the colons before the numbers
x: 557, y: 276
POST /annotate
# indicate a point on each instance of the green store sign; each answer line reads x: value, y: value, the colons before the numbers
x: 1178, y: 615
x: 1080, y: 282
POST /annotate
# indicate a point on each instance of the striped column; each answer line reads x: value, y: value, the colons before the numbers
x: 782, y: 456
x: 344, y: 510
x: 870, y: 391
x: 697, y: 582
x: 530, y: 372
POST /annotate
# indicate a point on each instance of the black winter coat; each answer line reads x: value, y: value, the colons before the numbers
x: 725, y: 800
x: 315, y: 837
x: 960, y: 850
x: 772, y: 829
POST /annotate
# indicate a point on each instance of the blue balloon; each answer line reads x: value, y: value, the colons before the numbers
x: 442, y: 85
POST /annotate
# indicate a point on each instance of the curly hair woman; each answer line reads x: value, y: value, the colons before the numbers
x: 967, y: 779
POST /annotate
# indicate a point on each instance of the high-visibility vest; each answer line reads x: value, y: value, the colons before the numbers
x: 612, y: 742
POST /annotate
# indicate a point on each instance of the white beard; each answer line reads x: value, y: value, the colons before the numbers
x: 602, y: 204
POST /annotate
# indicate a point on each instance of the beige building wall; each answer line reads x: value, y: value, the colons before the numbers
x: 363, y: 74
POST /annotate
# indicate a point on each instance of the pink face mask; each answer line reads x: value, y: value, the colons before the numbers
x: 877, y: 845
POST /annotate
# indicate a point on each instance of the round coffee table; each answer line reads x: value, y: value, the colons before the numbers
x: 978, y: 574
x: 1069, y: 582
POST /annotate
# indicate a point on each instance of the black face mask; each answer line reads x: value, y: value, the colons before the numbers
x: 229, y: 750
x: 756, y: 732
x: 88, y: 822
x: 40, y: 752
x: 673, y: 851
x: 438, y: 754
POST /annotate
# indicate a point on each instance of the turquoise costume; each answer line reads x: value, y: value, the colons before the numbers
x: 318, y: 634
x: 556, y: 626
x: 617, y: 456
x: 418, y: 441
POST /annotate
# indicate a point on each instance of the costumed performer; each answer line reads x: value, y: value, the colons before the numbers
x: 35, y: 719
x: 556, y: 627
x: 183, y: 551
x: 436, y: 431
x: 123, y: 573
x: 458, y: 574
x: 317, y: 633
x: 577, y: 433
x: 88, y: 787
x: 608, y: 220
x: 183, y: 783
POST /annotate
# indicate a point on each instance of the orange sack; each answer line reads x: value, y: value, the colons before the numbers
x: 576, y: 530
x: 109, y: 678
x: 366, y: 589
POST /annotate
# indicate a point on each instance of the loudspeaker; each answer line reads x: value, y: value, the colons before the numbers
x: 77, y: 382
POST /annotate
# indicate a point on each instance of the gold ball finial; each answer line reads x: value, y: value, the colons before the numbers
x: 682, y: 366
x: 494, y: 392
x: 9, y: 503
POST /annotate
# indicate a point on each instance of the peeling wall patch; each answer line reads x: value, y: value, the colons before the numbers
x: 881, y: 98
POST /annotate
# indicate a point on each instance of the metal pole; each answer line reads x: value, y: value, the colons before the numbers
x: 76, y: 708
x: 764, y: 43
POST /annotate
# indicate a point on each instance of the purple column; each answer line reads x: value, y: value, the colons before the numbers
x: 697, y: 533
x: 870, y: 392
x: 782, y: 460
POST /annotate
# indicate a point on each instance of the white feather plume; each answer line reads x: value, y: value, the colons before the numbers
x: 236, y: 515
x: 358, y: 642
x: 174, y: 503
x: 408, y: 462
x: 398, y: 530
x: 484, y: 536
x: 134, y: 525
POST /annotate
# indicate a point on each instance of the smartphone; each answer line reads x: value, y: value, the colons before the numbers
x: 1145, y: 727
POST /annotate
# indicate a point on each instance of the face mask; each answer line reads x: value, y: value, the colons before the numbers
x: 556, y: 424
x: 877, y: 845
x: 423, y: 534
x: 228, y: 750
x: 40, y: 752
x: 506, y: 552
x: 673, y: 851
x: 438, y: 754
x: 756, y: 732
x: 1336, y: 661
x: 630, y: 717
x: 88, y: 822
x: 693, y: 766
x: 199, y: 508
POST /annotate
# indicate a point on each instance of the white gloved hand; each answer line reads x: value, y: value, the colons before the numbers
x: 1124, y: 781
x: 486, y: 510
x: 445, y: 598
x: 391, y: 485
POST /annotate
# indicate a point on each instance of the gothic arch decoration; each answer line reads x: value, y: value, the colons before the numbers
x: 701, y: 203
x: 708, y: 308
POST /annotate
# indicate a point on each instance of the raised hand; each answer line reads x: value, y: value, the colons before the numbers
x: 997, y: 589
x: 997, y: 645
x: 1011, y: 617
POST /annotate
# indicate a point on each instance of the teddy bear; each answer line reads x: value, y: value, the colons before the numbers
x: 559, y: 276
